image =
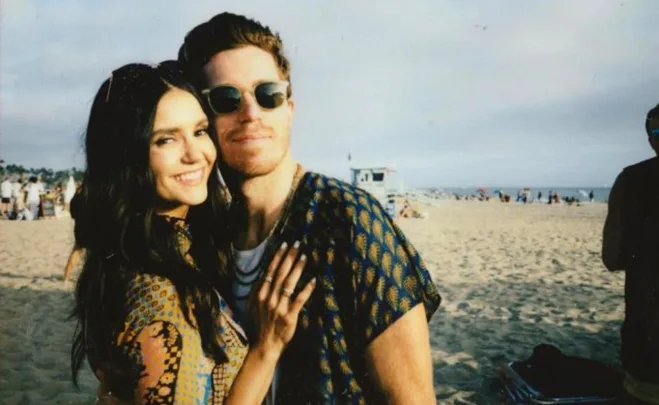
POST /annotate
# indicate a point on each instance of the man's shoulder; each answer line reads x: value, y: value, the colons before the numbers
x: 338, y: 193
x: 642, y: 167
x: 638, y: 174
x: 324, y: 182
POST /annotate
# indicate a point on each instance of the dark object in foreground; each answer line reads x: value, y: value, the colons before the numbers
x: 550, y: 377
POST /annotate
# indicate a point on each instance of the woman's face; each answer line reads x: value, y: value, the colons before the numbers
x: 181, y: 153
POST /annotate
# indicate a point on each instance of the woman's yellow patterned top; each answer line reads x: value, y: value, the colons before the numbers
x: 167, y: 351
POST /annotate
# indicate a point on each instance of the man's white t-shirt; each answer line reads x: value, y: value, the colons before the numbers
x: 246, y: 278
x: 5, y: 189
x: 34, y: 192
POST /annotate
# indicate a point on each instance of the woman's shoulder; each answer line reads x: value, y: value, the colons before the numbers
x: 150, y: 299
x: 149, y: 296
x: 145, y: 284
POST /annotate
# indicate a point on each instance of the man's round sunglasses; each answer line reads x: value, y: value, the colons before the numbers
x: 226, y: 99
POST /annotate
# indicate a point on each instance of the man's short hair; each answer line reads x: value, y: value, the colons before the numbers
x: 228, y: 31
x: 653, y: 115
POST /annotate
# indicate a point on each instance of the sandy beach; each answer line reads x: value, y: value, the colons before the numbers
x: 511, y: 277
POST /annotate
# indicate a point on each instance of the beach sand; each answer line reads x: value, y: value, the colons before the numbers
x: 511, y: 277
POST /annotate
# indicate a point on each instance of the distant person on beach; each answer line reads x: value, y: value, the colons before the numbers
x: 149, y: 316
x: 20, y: 210
x: 5, y: 197
x: 69, y: 192
x: 591, y: 196
x: 34, y: 190
x: 391, y: 208
x: 17, y: 201
x: 630, y: 241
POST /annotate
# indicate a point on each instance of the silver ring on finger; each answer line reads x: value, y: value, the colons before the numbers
x: 268, y: 279
x: 287, y: 291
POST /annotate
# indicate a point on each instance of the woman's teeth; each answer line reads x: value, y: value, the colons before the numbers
x: 189, y: 177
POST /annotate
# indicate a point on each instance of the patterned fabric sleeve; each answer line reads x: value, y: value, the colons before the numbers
x: 390, y: 276
x: 161, y: 348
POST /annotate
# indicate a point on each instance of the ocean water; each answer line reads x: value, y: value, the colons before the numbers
x: 601, y: 193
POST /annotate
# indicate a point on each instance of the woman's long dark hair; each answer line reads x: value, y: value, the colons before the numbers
x: 119, y: 229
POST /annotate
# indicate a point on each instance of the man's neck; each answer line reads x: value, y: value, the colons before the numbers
x: 264, y: 198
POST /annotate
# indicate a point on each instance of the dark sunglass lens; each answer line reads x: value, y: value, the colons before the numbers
x: 224, y: 99
x: 270, y: 95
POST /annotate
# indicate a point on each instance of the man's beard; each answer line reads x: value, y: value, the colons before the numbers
x: 248, y: 165
x: 236, y: 170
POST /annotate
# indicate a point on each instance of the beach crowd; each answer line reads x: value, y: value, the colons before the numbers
x: 29, y: 198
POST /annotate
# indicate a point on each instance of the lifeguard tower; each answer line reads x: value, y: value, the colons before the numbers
x: 374, y: 180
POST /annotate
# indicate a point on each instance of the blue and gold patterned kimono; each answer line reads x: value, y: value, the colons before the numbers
x: 369, y: 276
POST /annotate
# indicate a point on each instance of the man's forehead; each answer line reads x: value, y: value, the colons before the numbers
x: 243, y: 66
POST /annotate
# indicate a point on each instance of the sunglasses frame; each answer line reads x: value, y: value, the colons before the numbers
x: 206, y: 94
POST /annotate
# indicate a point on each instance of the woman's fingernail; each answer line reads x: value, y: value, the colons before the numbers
x: 313, y: 280
x: 296, y: 244
x: 303, y: 257
x: 283, y: 246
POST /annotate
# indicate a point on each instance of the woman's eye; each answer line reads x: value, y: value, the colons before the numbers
x: 164, y: 141
x: 202, y: 132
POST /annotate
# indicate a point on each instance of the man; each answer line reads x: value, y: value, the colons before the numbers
x: 631, y: 237
x: 363, y: 338
x: 18, y: 198
x: 5, y: 197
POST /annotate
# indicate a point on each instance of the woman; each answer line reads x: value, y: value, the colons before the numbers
x: 150, y: 319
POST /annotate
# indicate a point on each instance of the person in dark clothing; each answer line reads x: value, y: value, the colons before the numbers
x: 630, y: 240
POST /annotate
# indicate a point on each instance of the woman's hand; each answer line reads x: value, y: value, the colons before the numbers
x: 276, y: 308
x: 276, y: 313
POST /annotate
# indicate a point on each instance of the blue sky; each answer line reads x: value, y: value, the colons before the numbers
x: 448, y: 92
